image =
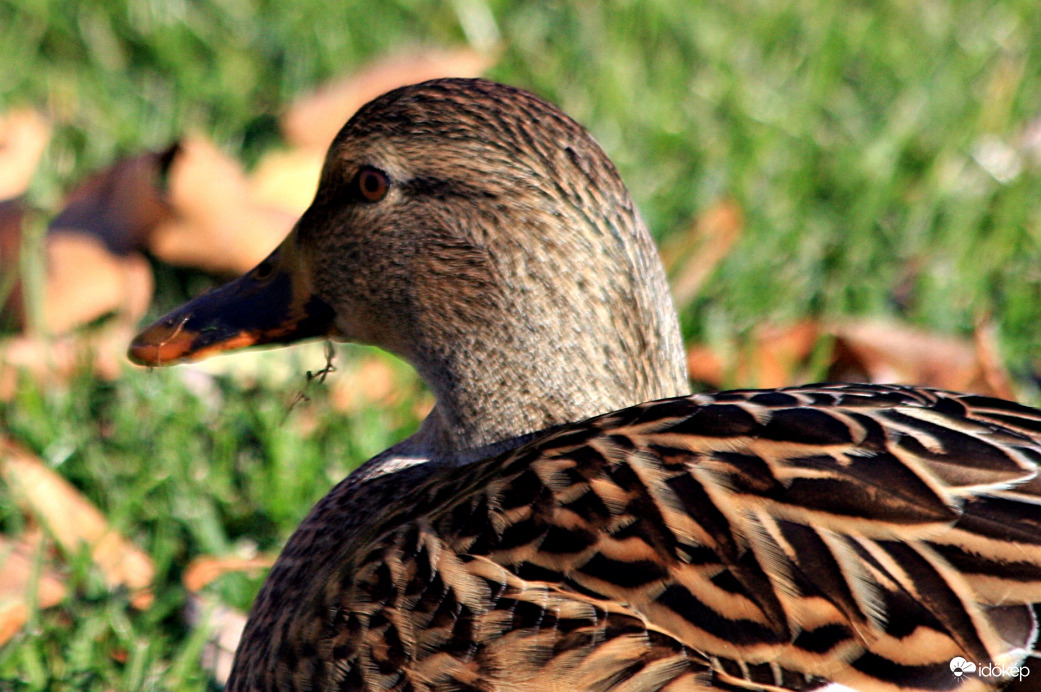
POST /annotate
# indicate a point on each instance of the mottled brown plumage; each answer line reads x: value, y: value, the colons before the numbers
x: 762, y: 540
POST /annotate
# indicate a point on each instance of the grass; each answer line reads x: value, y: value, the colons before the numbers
x: 871, y: 146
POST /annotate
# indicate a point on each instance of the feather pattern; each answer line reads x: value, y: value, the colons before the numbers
x: 764, y: 540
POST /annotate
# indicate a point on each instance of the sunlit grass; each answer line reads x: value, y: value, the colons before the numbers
x: 870, y: 146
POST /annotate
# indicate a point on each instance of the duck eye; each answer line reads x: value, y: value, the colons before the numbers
x: 372, y: 184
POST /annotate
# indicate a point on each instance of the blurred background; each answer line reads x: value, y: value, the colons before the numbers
x: 841, y: 190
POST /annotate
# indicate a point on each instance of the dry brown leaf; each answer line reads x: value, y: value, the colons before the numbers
x: 73, y: 521
x: 692, y: 257
x: 121, y: 204
x: 225, y: 625
x: 287, y: 180
x: 204, y: 570
x: 20, y: 583
x: 24, y: 134
x: 216, y: 224
x: 85, y: 281
x: 985, y: 339
x: 781, y: 351
x: 875, y: 351
x: 314, y: 120
x: 206, y: 218
x: 362, y: 384
x: 883, y: 351
x: 12, y: 216
x: 705, y: 366
x: 54, y: 361
x: 773, y: 357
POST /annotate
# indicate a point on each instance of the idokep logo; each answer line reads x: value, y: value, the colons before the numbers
x: 960, y: 667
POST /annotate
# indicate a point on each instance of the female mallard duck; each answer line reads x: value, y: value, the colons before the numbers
x: 757, y: 540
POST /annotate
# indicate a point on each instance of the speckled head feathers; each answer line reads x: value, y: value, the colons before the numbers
x: 481, y: 234
x: 506, y: 248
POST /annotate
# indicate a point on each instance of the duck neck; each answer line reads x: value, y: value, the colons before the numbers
x: 483, y: 411
x: 494, y: 399
x: 511, y: 378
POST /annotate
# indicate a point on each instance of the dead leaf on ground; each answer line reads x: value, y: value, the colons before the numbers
x: 121, y: 204
x: 205, y: 215
x: 225, y: 625
x: 363, y: 383
x: 995, y: 374
x: 704, y: 365
x: 12, y: 217
x: 314, y: 120
x: 55, y: 361
x: 22, y: 583
x: 781, y: 352
x: 690, y: 258
x: 287, y: 179
x: 885, y: 351
x: 423, y: 405
x: 24, y: 135
x: 86, y: 281
x: 204, y: 570
x: 774, y: 357
x: 92, y: 246
x: 74, y: 521
x: 873, y: 350
x: 216, y: 224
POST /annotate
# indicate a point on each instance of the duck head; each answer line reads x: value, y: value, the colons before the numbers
x: 479, y: 233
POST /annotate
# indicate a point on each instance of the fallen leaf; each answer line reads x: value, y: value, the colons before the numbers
x: 872, y: 350
x: 884, y: 351
x: 203, y: 570
x: 24, y: 135
x: 225, y: 625
x: 985, y: 340
x: 50, y: 362
x: 313, y: 121
x: 216, y: 224
x: 705, y: 366
x: 774, y: 357
x: 423, y: 405
x: 363, y: 383
x: 74, y: 521
x: 122, y: 204
x: 12, y: 216
x: 286, y: 180
x: 691, y: 257
x: 85, y: 281
x: 21, y: 584
x: 781, y: 352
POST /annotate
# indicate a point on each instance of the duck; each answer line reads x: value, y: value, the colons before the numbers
x: 569, y: 516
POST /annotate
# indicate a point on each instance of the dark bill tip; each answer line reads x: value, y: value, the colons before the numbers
x: 276, y: 309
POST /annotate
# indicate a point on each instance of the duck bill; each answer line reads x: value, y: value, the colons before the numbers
x: 273, y: 304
